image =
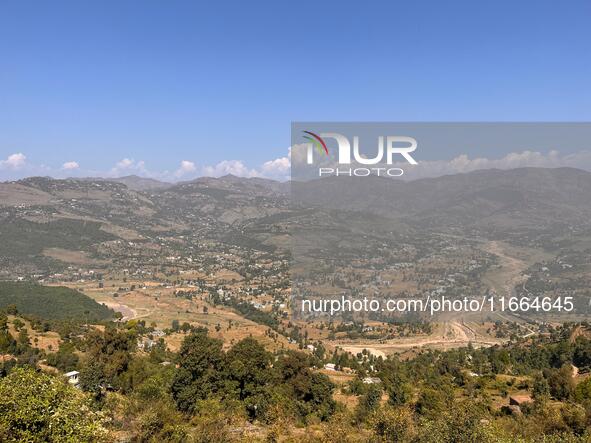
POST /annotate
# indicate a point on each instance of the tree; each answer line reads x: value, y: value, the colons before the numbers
x: 7, y: 343
x: 431, y: 402
x: 214, y: 421
x: 541, y: 388
x: 461, y: 421
x: 394, y: 424
x: 582, y: 353
x: 309, y: 393
x: 561, y: 382
x: 198, y: 376
x: 583, y: 391
x: 368, y: 402
x: 64, y: 359
x: 247, y: 367
x: 313, y: 392
x: 109, y: 355
x: 399, y: 392
x: 23, y: 338
x: 36, y: 407
x: 574, y: 416
x: 395, y: 378
x: 18, y: 324
x: 92, y: 378
x: 3, y: 322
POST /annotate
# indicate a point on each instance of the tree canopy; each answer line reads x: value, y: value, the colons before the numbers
x: 36, y: 407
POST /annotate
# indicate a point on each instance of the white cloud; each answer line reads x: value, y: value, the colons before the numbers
x: 186, y: 167
x: 281, y: 168
x: 278, y: 169
x: 129, y: 166
x: 14, y: 161
x: 234, y: 167
x: 124, y: 164
x: 17, y: 166
x: 463, y: 163
x: 279, y: 165
x: 68, y: 166
x: 298, y: 153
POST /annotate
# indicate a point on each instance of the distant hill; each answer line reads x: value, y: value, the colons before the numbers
x: 51, y: 302
x: 98, y: 220
x: 135, y: 182
x: 528, y: 197
x: 242, y: 184
x: 141, y: 183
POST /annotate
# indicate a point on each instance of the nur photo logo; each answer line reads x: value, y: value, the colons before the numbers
x: 349, y: 159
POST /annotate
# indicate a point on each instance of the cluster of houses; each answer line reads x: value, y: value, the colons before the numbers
x: 366, y: 380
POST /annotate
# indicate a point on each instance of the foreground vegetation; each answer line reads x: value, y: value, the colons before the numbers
x: 206, y: 393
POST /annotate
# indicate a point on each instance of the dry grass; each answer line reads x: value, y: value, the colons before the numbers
x: 75, y: 257
x: 157, y: 304
x: 47, y: 341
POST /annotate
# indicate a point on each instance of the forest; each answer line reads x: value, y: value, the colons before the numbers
x: 52, y: 302
x: 206, y: 392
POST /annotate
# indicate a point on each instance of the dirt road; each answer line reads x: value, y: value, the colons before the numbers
x: 510, y: 271
x: 448, y: 335
x: 127, y: 312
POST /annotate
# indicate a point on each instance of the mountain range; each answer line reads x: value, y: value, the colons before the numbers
x: 41, y: 213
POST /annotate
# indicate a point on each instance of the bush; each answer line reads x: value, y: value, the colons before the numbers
x: 392, y: 424
x: 36, y: 407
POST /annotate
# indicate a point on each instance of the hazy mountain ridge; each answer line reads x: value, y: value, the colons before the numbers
x: 138, y: 183
x: 527, y: 195
x: 240, y: 184
x: 258, y: 213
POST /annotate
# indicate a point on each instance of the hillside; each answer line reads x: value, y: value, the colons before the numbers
x: 525, y: 197
x: 133, y: 182
x: 51, y: 302
x: 47, y: 224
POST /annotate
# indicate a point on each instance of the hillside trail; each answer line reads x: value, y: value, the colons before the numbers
x: 127, y: 312
x: 512, y: 274
x: 510, y: 270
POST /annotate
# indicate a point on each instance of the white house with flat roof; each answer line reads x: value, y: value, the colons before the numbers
x: 72, y: 377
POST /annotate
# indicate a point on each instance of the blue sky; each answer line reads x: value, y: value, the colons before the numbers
x: 149, y: 84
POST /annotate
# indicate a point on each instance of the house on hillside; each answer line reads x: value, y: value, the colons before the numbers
x: 519, y: 400
x: 73, y: 377
x: 145, y: 344
x: 6, y: 357
x: 371, y: 380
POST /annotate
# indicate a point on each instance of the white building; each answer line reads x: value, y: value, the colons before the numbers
x: 371, y: 380
x: 72, y: 377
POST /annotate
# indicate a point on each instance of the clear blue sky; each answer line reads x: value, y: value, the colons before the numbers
x: 94, y: 82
